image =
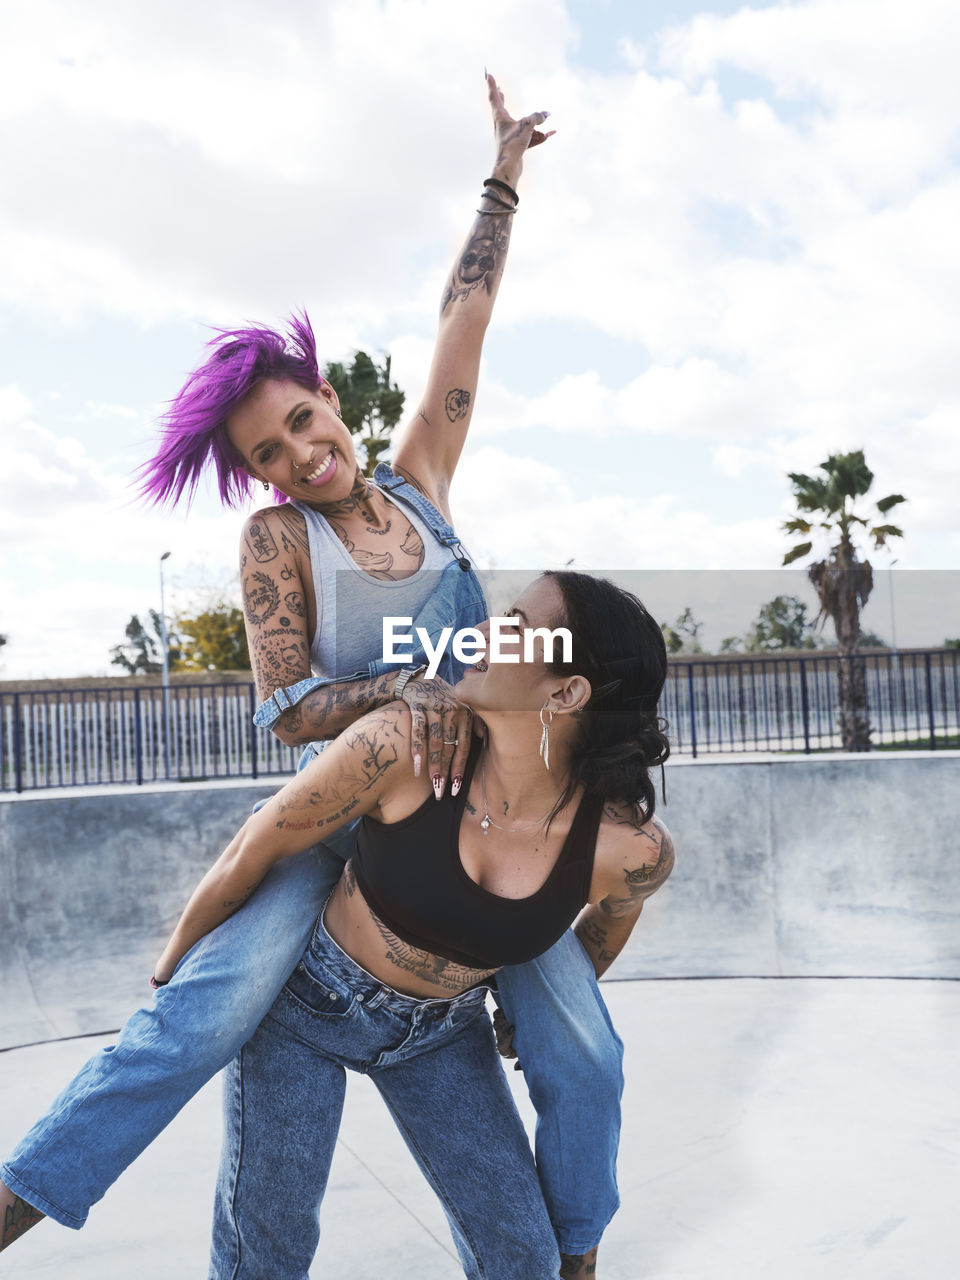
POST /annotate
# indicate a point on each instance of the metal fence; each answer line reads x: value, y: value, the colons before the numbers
x: 75, y: 737
x: 791, y: 704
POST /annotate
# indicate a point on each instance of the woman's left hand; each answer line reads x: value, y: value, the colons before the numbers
x: 514, y: 137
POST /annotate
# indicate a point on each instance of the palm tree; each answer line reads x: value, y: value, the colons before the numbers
x: 368, y: 401
x: 843, y: 581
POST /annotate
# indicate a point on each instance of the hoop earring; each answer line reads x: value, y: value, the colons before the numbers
x: 545, y: 736
x: 339, y: 415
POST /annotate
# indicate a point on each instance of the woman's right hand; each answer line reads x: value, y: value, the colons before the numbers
x: 441, y: 732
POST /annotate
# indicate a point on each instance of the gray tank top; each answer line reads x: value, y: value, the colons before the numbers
x: 351, y: 604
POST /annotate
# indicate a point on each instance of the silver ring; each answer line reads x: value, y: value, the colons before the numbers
x: 451, y: 742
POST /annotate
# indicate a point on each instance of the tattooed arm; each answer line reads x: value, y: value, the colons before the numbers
x: 431, y: 445
x: 635, y: 865
x: 366, y: 764
x: 280, y: 614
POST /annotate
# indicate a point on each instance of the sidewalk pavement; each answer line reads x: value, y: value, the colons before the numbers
x: 777, y: 1129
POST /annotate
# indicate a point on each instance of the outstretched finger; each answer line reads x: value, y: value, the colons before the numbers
x: 464, y: 735
x: 418, y: 736
x: 537, y: 137
x: 495, y: 93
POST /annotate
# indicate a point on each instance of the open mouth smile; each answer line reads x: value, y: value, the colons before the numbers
x: 321, y: 473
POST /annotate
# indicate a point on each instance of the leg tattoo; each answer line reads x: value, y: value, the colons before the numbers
x: 18, y: 1217
x: 578, y: 1266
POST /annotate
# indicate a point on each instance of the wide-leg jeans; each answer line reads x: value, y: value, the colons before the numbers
x: 128, y: 1092
x: 436, y: 1066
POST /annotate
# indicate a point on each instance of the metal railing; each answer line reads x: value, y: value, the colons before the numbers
x: 77, y: 737
x: 792, y: 703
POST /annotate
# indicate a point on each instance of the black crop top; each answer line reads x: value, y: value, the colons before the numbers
x: 411, y: 875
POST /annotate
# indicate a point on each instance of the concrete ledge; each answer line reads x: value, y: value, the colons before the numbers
x: 840, y: 865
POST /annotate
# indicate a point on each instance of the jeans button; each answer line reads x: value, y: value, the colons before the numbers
x: 360, y: 998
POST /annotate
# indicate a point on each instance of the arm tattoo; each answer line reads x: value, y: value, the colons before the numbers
x: 643, y: 880
x: 261, y: 598
x: 457, y: 404
x: 481, y: 262
x: 377, y: 747
x: 296, y: 526
x: 260, y: 541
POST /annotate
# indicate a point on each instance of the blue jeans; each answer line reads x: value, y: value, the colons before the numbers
x: 127, y: 1093
x: 436, y: 1066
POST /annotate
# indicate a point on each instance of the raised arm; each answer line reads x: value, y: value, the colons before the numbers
x: 369, y: 760
x: 431, y: 444
x: 641, y: 863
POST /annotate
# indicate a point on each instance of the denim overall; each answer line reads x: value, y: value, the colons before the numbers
x: 225, y: 985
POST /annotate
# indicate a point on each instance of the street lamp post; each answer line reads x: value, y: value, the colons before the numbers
x: 165, y: 668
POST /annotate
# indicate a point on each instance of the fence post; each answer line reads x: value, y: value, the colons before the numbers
x: 693, y: 709
x: 930, y: 713
x: 805, y: 705
x: 17, y: 744
x: 137, y: 737
x: 253, y: 736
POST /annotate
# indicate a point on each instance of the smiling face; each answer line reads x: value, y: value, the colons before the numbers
x: 520, y: 686
x: 293, y: 439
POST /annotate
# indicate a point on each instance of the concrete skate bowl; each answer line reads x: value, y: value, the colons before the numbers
x: 823, y: 866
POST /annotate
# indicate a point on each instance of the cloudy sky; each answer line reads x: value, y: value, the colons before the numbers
x: 738, y: 254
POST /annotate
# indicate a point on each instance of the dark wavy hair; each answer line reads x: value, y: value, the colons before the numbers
x: 619, y: 648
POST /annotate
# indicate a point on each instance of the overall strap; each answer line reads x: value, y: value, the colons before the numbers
x: 397, y: 487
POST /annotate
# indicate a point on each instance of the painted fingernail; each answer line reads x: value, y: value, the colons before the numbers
x: 545, y: 114
x: 457, y: 784
x: 417, y: 762
x: 437, y: 785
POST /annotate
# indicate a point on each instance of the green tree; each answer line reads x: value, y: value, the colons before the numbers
x: 142, y: 652
x: 782, y: 623
x: 213, y: 640
x: 843, y: 581
x: 370, y: 403
x: 683, y: 636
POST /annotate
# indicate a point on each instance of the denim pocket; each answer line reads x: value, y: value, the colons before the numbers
x: 317, y: 990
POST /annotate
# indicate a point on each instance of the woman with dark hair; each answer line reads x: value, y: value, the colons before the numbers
x: 436, y: 898
x: 319, y: 569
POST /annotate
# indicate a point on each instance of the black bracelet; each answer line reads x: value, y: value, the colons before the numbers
x: 502, y: 186
x: 489, y: 195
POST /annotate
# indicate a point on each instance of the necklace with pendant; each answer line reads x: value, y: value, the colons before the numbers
x: 487, y: 822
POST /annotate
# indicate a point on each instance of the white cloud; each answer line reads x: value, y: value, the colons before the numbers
x: 780, y: 270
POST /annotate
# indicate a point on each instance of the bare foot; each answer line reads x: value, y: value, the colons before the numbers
x: 577, y: 1266
x: 18, y: 1216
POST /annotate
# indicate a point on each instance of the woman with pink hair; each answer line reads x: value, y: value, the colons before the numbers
x: 320, y: 568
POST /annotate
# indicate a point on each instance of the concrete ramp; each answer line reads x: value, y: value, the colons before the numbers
x: 91, y: 883
x: 787, y: 866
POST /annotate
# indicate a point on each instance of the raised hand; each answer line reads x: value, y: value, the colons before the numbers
x: 514, y: 137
